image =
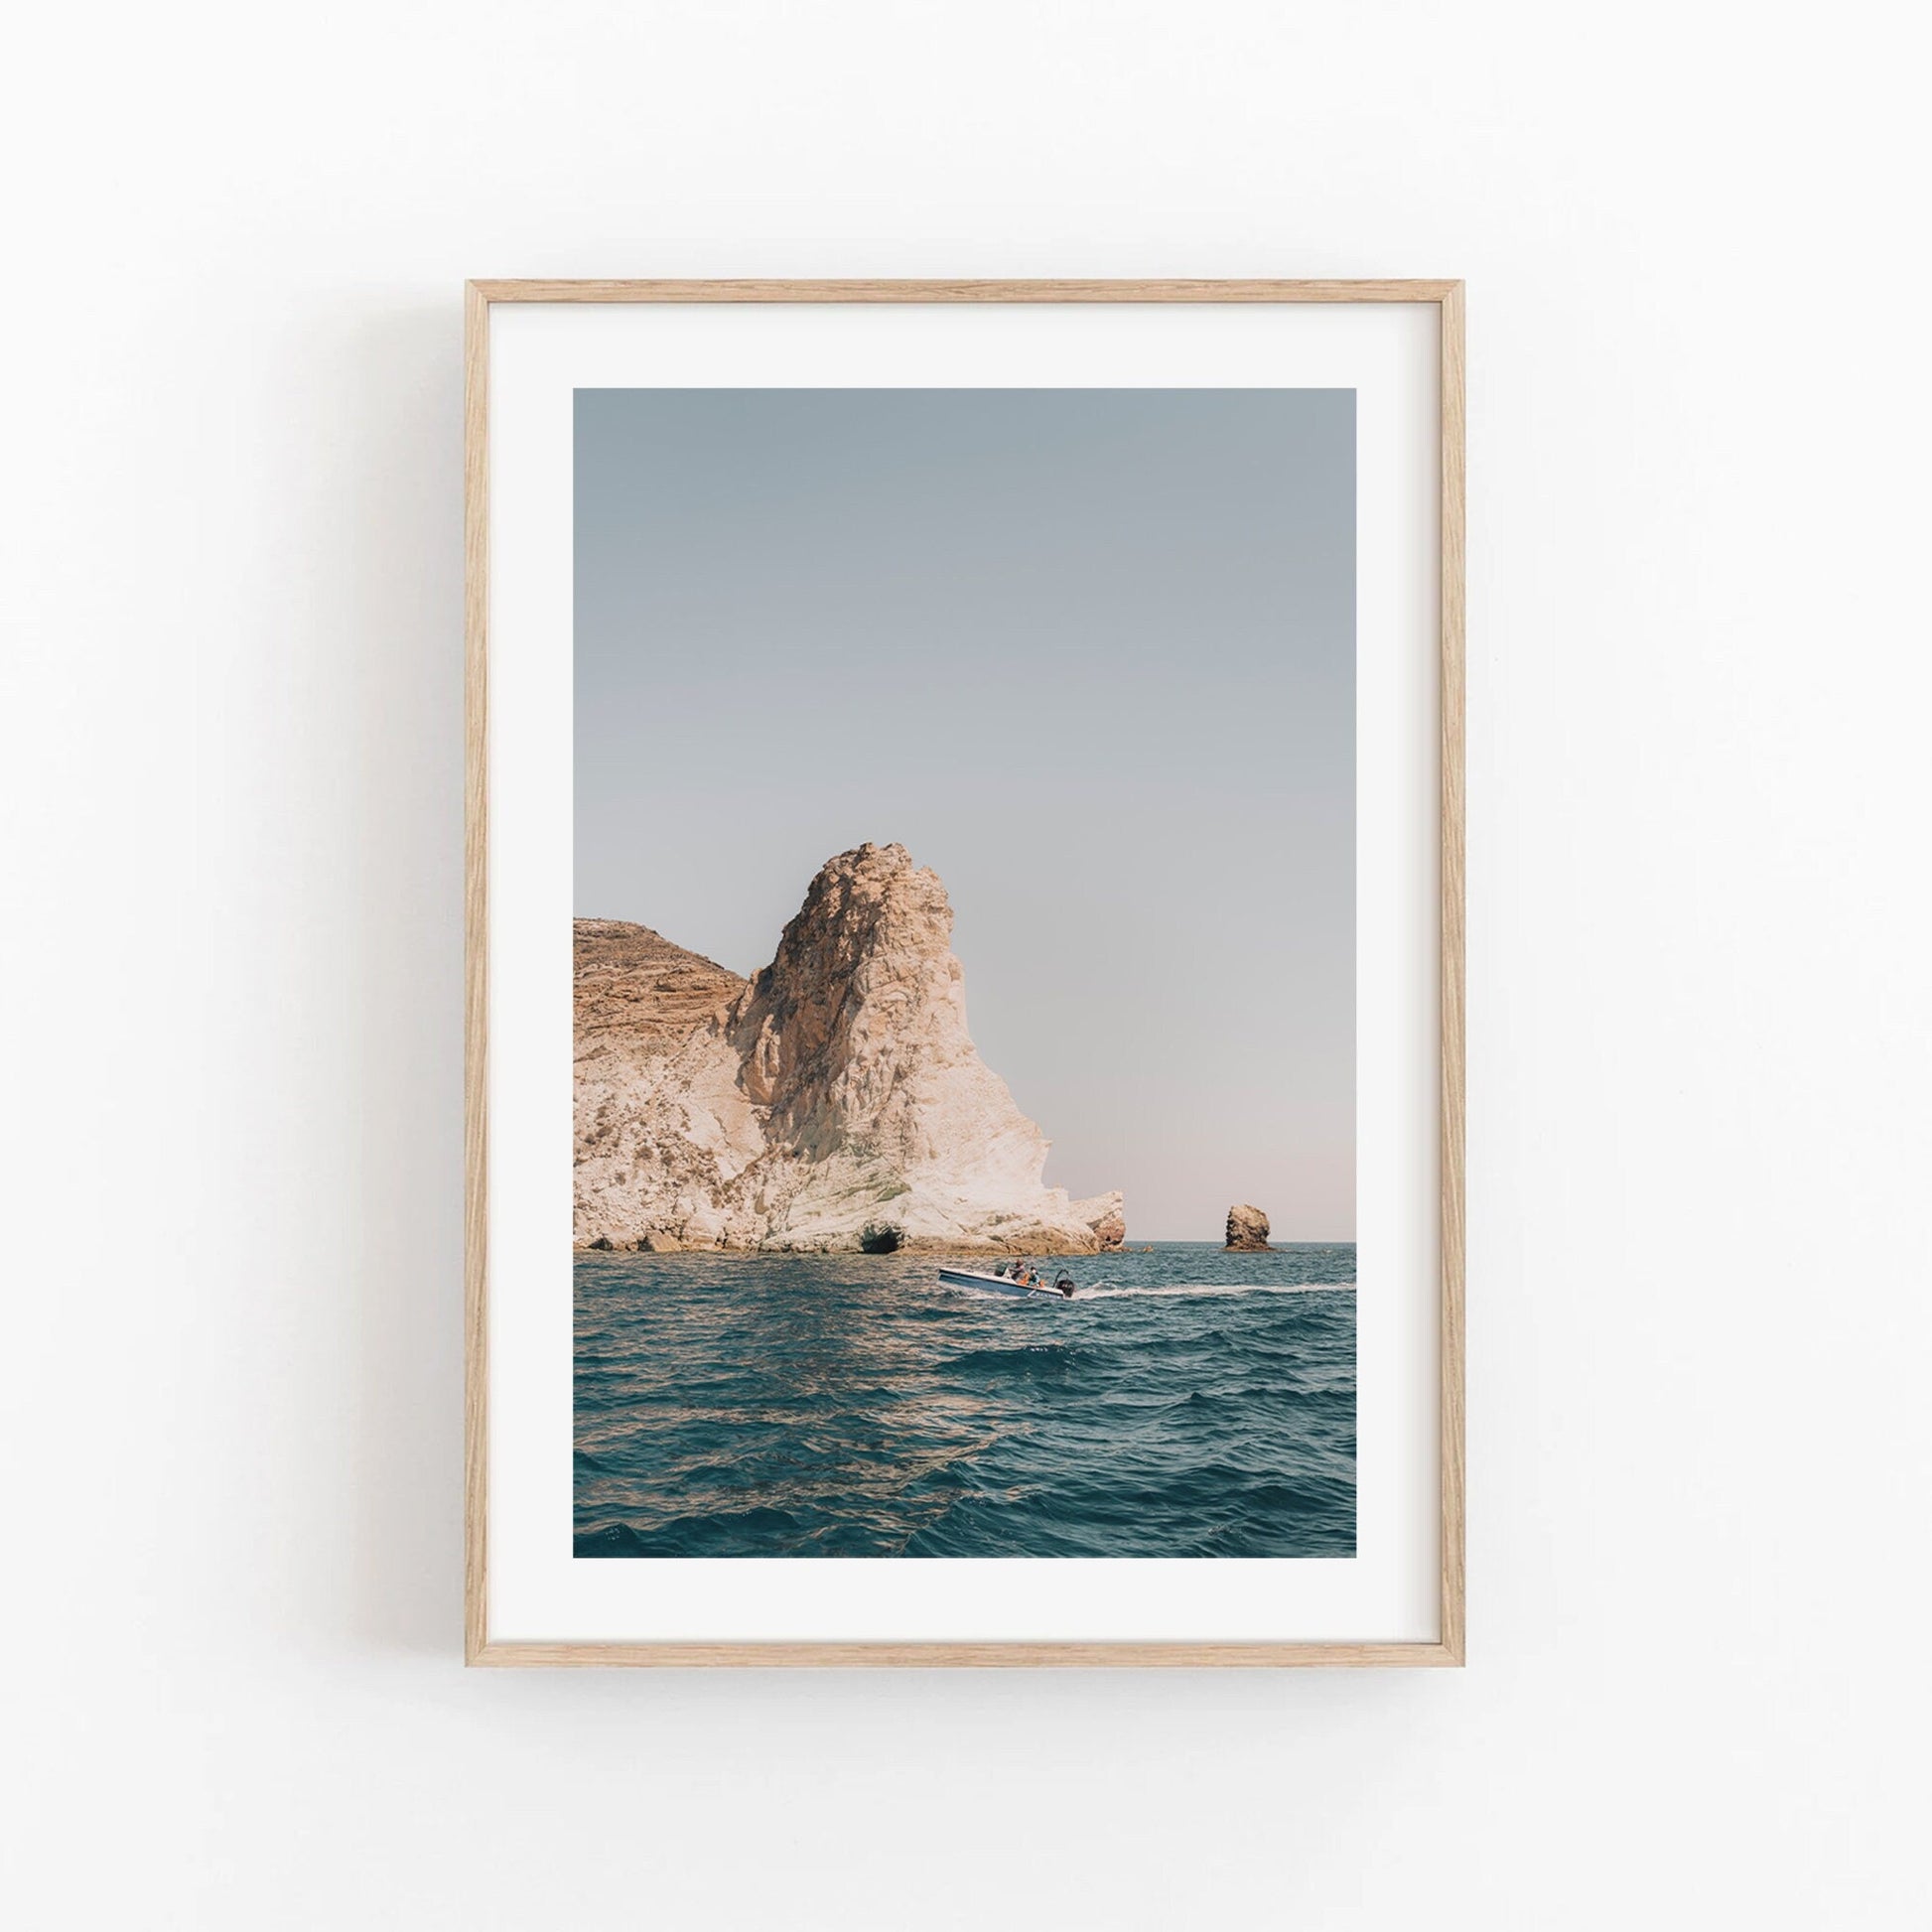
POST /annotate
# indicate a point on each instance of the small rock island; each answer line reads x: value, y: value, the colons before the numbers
x: 1247, y: 1230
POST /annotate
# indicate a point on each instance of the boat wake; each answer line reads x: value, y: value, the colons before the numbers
x: 1111, y: 1291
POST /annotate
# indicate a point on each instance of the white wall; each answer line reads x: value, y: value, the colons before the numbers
x: 1699, y: 1041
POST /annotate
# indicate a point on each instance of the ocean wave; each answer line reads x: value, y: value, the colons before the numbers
x: 1109, y: 1291
x: 1053, y: 1359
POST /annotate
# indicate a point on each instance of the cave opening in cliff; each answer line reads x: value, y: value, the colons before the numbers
x: 880, y: 1241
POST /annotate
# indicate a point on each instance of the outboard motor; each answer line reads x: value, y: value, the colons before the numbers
x: 1066, y: 1285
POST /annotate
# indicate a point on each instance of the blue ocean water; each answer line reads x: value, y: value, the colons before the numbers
x: 1186, y: 1403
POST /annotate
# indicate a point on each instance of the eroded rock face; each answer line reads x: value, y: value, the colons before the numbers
x: 1247, y: 1229
x: 634, y: 986
x: 834, y: 1103
x: 1106, y: 1214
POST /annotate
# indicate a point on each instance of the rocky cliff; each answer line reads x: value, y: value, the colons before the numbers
x: 636, y: 988
x: 835, y: 1102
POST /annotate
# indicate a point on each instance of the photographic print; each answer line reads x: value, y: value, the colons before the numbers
x: 964, y: 973
x: 964, y: 1085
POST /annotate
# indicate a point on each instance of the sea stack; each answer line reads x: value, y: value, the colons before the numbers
x: 1247, y: 1229
x: 834, y: 1103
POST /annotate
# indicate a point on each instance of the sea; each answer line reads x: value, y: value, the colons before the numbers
x: 1186, y: 1402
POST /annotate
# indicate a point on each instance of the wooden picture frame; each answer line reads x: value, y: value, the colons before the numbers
x: 482, y: 299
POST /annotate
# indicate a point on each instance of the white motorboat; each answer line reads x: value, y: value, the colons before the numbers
x: 1055, y: 1291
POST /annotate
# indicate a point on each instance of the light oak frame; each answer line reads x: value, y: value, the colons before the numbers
x: 480, y: 297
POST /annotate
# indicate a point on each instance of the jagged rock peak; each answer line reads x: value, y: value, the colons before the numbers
x: 863, y: 997
x: 869, y: 900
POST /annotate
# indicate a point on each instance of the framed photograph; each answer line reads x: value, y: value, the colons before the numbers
x: 964, y: 1023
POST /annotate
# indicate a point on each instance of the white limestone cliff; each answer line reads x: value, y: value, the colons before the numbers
x: 833, y: 1103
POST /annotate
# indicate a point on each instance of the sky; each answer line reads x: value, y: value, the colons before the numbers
x: 1089, y: 654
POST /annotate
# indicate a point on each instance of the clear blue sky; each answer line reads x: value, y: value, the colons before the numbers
x: 1090, y: 655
